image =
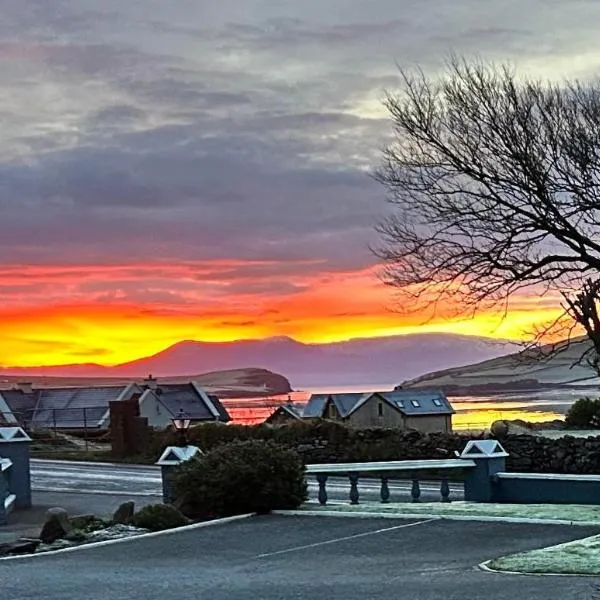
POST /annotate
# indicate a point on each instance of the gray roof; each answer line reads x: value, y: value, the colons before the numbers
x: 288, y: 409
x: 344, y: 403
x: 315, y: 406
x: 73, y: 407
x: 408, y: 402
x: 185, y: 396
x: 21, y: 404
x: 419, y: 402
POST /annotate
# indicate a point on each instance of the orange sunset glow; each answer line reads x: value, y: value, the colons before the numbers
x: 112, y: 314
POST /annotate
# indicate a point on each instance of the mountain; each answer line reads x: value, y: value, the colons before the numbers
x: 521, y: 371
x: 375, y: 362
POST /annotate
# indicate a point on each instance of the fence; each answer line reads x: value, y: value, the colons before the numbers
x: 62, y: 429
x: 414, y: 470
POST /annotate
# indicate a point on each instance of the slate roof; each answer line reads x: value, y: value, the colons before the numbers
x: 288, y: 409
x: 193, y: 400
x: 73, y: 407
x: 22, y: 405
x: 408, y: 402
x: 345, y: 403
x: 419, y: 402
x: 315, y: 407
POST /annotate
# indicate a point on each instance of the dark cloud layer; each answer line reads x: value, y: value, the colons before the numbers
x: 239, y: 130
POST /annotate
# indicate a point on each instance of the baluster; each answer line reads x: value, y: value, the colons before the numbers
x: 322, y: 480
x: 415, y: 492
x: 445, y: 491
x: 353, y: 488
x: 385, y: 491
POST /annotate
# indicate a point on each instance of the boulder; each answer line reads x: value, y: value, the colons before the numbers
x: 56, y: 526
x: 124, y: 513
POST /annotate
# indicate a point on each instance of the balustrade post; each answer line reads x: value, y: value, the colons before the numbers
x: 385, y: 491
x: 353, y: 488
x: 322, y: 496
x: 415, y: 492
x: 445, y: 490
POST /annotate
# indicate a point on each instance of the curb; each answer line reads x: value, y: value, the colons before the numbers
x: 484, y: 566
x: 51, y: 490
x: 387, y: 515
x: 141, y: 536
x: 91, y: 462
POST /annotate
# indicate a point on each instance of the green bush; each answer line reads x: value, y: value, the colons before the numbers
x: 157, y: 517
x: 241, y: 477
x: 584, y: 413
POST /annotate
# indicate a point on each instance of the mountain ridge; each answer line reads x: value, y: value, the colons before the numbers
x: 377, y: 360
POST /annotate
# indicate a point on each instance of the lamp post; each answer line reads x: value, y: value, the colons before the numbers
x: 181, y: 423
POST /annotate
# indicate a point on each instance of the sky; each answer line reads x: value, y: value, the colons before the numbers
x: 199, y: 170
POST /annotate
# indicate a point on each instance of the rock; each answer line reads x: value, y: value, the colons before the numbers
x: 499, y: 429
x: 76, y: 535
x: 88, y: 523
x: 124, y: 513
x: 20, y: 546
x: 57, y: 525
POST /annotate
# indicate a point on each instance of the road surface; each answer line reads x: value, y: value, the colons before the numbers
x: 302, y: 558
x: 139, y: 480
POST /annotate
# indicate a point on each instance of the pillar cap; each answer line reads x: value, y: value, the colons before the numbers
x: 13, y: 434
x: 175, y: 455
x: 484, y: 449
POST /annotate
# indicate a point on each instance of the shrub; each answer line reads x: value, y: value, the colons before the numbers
x: 241, y: 477
x: 584, y: 413
x: 157, y: 517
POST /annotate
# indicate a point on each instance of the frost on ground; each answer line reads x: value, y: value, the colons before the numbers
x: 552, y: 512
x: 579, y: 557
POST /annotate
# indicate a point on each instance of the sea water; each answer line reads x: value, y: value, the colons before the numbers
x: 472, y: 412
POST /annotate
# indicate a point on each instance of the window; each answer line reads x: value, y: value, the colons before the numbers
x: 415, y: 403
x: 331, y: 410
x: 400, y: 403
x: 437, y: 402
x: 380, y: 409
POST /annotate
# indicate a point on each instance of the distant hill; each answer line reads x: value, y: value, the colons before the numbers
x: 520, y: 371
x: 382, y: 361
x: 233, y: 383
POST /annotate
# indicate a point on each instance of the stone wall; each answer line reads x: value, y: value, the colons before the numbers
x: 325, y: 442
x: 569, y: 454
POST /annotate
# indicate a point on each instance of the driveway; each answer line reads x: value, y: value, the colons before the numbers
x: 280, y: 558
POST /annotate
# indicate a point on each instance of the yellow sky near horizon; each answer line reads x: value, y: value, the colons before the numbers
x: 82, y: 323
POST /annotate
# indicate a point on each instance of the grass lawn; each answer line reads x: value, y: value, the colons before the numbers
x: 552, y: 512
x: 581, y: 557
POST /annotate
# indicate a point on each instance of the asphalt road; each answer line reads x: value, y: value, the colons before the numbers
x: 139, y: 480
x: 301, y: 558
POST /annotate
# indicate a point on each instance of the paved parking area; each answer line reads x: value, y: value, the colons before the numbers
x: 280, y: 558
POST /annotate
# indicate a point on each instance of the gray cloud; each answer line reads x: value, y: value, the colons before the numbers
x: 228, y: 130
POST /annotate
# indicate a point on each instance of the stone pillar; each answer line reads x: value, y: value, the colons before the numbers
x: 14, y: 445
x: 490, y: 458
x: 169, y: 460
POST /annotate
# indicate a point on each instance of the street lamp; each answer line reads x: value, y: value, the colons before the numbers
x: 181, y: 423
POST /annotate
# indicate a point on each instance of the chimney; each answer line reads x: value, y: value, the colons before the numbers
x: 150, y: 382
x: 25, y: 386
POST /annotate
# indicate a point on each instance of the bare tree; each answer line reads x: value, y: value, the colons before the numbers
x: 495, y: 185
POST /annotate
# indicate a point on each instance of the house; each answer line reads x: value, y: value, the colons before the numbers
x: 88, y: 407
x: 285, y: 414
x: 426, y: 411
